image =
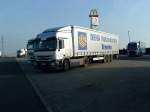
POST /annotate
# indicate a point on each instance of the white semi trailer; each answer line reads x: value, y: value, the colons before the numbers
x: 63, y: 47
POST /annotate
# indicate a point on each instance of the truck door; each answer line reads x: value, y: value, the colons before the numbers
x: 63, y: 48
x: 60, y: 53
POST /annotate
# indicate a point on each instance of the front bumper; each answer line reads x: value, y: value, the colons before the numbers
x: 132, y: 53
x: 54, y: 64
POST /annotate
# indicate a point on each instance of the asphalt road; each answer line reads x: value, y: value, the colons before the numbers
x: 16, y: 93
x: 120, y: 86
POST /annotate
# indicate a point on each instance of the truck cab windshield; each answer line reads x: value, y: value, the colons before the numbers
x: 48, y: 44
x: 132, y: 46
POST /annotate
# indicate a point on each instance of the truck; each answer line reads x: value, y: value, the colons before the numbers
x: 67, y: 46
x: 136, y: 48
x: 30, y: 50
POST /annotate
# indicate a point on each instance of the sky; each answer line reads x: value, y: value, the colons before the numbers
x: 21, y: 20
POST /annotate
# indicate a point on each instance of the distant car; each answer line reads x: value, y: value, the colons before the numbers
x: 21, y: 53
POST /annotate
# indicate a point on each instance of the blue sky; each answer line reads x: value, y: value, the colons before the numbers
x: 21, y: 20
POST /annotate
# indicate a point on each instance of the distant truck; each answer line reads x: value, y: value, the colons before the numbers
x: 21, y: 53
x: 30, y: 50
x: 63, y: 47
x: 136, y: 48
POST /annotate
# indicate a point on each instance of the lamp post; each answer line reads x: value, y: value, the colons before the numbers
x: 2, y: 47
x: 129, y: 36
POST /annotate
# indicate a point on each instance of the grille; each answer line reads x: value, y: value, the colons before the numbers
x: 43, y: 57
x: 132, y: 53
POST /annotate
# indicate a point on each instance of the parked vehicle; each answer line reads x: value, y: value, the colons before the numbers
x: 21, y: 53
x: 136, y: 48
x: 63, y: 47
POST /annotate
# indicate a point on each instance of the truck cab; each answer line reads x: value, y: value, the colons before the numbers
x: 52, y: 47
x: 136, y: 48
x: 30, y: 50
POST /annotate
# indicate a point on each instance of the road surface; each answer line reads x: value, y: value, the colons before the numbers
x: 16, y: 93
x: 120, y: 86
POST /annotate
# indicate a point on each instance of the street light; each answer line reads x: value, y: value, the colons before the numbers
x: 2, y: 42
x: 129, y: 35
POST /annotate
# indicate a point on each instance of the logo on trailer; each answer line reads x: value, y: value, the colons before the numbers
x: 82, y: 41
x: 106, y: 47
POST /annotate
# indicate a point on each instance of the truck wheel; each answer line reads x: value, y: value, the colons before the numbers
x: 86, y: 62
x: 66, y: 65
x: 109, y: 58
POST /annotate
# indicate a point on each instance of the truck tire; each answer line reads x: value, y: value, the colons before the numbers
x: 85, y: 61
x: 110, y: 58
x: 66, y: 65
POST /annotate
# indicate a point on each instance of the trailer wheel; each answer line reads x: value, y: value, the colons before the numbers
x: 107, y: 59
x: 66, y: 65
x: 117, y: 56
x: 111, y: 58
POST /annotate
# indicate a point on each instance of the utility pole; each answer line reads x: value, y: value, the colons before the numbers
x: 129, y: 36
x: 2, y: 47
